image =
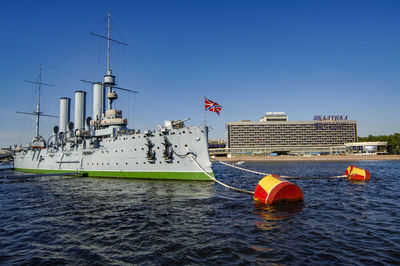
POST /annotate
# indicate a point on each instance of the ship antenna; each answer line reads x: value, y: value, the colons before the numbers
x: 37, y: 113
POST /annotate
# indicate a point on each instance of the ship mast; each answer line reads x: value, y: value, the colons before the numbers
x: 109, y: 78
x: 37, y: 113
x: 38, y: 105
x: 108, y: 43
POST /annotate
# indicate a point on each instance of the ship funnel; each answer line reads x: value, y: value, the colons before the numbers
x: 98, y: 101
x: 65, y: 104
x: 80, y: 109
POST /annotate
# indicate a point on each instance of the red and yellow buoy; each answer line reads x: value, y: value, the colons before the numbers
x: 357, y: 174
x: 274, y: 189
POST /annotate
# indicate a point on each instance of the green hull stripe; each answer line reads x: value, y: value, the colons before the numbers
x: 118, y: 174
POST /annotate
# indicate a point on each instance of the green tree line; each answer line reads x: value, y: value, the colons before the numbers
x: 393, y: 141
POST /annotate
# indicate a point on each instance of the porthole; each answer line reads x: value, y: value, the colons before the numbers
x: 135, y: 149
x: 177, y: 161
x: 122, y: 150
x: 102, y: 163
x: 160, y: 162
x: 186, y: 145
x: 126, y: 163
x: 116, y: 163
x: 176, y: 146
x: 183, y: 132
x: 137, y: 163
x: 158, y: 148
x: 142, y: 149
x: 144, y: 162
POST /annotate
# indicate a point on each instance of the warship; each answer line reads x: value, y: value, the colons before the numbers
x: 103, y: 146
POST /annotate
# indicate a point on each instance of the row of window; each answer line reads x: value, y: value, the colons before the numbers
x: 293, y: 128
x: 286, y: 136
x: 233, y: 142
x: 309, y: 129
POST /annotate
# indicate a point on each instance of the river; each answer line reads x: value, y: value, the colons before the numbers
x: 74, y: 220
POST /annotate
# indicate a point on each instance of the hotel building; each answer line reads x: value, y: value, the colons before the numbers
x: 275, y: 134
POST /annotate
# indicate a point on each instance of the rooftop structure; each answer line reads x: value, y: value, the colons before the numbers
x: 274, y: 116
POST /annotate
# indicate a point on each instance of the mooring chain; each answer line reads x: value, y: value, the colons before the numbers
x: 243, y: 169
x: 219, y: 182
x: 283, y: 176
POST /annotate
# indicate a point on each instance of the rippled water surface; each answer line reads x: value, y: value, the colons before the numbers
x: 68, y: 220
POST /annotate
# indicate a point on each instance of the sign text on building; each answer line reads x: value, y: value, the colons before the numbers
x: 330, y: 117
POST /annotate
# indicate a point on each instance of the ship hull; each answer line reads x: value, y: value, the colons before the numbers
x: 201, y: 176
x: 126, y: 156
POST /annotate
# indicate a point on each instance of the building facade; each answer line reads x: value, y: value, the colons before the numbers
x: 290, y: 137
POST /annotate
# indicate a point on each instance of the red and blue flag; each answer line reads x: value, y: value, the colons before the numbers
x: 212, y: 106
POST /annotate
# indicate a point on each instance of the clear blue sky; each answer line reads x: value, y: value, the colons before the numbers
x: 301, y: 57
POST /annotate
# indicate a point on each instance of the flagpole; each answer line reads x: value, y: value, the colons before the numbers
x: 205, y: 114
x: 205, y: 117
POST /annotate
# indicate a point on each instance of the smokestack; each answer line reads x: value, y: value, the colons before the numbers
x: 98, y: 101
x: 65, y: 104
x: 80, y: 109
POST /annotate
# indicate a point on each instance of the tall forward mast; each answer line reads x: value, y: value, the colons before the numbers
x: 108, y: 43
x: 109, y: 78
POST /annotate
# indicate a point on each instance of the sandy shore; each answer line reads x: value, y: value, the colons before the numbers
x: 314, y: 158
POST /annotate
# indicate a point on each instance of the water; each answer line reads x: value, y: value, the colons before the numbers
x: 68, y: 220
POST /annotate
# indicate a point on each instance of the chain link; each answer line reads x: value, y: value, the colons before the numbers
x: 283, y: 176
x: 219, y: 182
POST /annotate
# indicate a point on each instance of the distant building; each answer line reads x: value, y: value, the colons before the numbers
x: 366, y: 148
x: 216, y: 143
x: 275, y: 134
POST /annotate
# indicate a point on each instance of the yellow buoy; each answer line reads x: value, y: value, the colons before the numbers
x: 274, y: 189
x: 357, y: 174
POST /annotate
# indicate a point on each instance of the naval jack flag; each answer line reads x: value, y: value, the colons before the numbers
x: 212, y: 106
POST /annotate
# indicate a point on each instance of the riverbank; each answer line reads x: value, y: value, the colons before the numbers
x: 314, y: 158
